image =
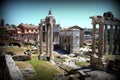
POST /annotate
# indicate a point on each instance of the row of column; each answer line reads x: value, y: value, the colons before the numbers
x: 108, y: 42
x: 114, y: 45
x: 108, y: 39
x: 49, y: 41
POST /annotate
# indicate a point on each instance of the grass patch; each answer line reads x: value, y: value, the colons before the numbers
x: 85, y: 56
x: 57, y: 60
x: 44, y: 70
x: 82, y: 64
x: 22, y: 64
x: 14, y: 49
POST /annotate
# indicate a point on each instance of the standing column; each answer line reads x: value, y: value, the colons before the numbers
x: 119, y: 39
x: 105, y: 40
x: 111, y: 40
x: 40, y: 40
x: 58, y: 37
x: 101, y: 40
x: 93, y: 45
x: 101, y: 46
x: 93, y: 38
x: 47, y: 41
x: 115, y: 40
x: 51, y: 40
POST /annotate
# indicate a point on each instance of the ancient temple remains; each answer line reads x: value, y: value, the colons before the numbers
x: 46, y: 24
x: 108, y: 38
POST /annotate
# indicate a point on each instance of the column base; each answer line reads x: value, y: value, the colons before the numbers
x: 94, y: 60
x: 52, y: 62
x: 45, y: 57
x: 101, y: 63
x: 42, y: 57
x: 98, y: 62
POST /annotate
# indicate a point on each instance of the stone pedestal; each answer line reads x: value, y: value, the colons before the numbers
x: 100, y: 64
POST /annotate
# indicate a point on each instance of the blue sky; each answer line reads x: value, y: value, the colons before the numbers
x: 66, y: 12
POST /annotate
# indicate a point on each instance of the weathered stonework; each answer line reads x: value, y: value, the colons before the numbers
x: 47, y: 23
x: 70, y: 40
x: 103, y: 22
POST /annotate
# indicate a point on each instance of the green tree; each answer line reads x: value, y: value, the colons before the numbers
x: 13, y: 26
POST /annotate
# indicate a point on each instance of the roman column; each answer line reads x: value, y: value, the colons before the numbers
x: 93, y: 45
x: 93, y: 38
x: 51, y: 41
x: 101, y: 46
x: 105, y: 39
x: 101, y: 40
x: 111, y: 39
x: 40, y: 40
x: 115, y: 40
x: 47, y: 40
x: 119, y: 39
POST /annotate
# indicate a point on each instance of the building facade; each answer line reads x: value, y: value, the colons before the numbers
x: 27, y: 33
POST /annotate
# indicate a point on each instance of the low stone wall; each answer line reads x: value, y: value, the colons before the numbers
x: 13, y: 70
x: 4, y: 74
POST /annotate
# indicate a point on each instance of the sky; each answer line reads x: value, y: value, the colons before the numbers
x: 66, y: 12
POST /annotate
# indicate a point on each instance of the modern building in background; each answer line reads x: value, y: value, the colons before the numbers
x: 88, y: 35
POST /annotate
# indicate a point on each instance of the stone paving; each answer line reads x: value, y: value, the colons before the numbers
x: 100, y: 75
x: 71, y: 64
x: 92, y: 75
x: 27, y: 72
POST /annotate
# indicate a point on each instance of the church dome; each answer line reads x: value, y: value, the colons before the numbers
x: 50, y: 16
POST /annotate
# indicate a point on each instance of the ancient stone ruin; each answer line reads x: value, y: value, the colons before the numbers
x: 106, y: 45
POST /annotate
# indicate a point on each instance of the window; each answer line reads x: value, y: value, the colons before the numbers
x: 43, y: 28
x: 22, y: 35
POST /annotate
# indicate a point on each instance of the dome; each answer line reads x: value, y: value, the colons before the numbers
x: 50, y: 16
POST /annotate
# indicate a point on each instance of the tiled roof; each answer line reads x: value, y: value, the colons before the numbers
x: 18, y: 28
x: 75, y: 26
x: 28, y: 26
x: 10, y: 28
